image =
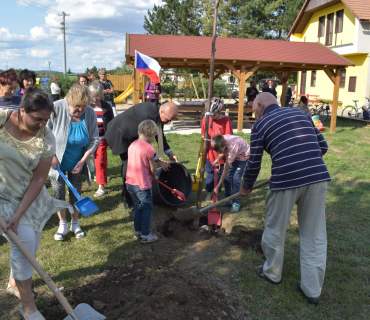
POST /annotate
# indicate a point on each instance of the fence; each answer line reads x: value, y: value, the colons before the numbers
x: 120, y: 82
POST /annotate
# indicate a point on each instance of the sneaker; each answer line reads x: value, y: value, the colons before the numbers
x: 137, y: 234
x: 227, y: 204
x: 77, y: 231
x: 149, y: 238
x: 235, y: 207
x: 61, y: 233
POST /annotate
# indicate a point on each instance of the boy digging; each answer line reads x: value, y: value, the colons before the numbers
x: 141, y: 170
x: 236, y: 150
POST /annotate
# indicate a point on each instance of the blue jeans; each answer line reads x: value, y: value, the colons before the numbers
x: 233, y: 177
x: 143, y: 205
x: 210, y: 181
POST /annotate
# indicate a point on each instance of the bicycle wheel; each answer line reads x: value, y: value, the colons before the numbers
x: 349, y: 112
x: 323, y: 115
x: 314, y: 111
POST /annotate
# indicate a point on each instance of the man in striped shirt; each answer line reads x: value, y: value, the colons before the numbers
x: 299, y: 176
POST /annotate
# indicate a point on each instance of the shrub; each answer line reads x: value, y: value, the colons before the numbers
x: 65, y: 82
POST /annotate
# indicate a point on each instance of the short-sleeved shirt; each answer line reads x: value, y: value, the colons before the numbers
x: 236, y: 149
x: 138, y: 168
x: 18, y: 160
x: 107, y: 96
x: 99, y: 116
x: 10, y: 103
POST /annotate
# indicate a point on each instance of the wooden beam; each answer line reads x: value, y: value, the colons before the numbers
x: 333, y: 121
x: 219, y: 73
x: 233, y: 70
x: 250, y: 72
x: 241, y: 99
x: 136, y: 95
x: 278, y: 75
x: 286, y: 76
x: 204, y: 71
x: 331, y: 74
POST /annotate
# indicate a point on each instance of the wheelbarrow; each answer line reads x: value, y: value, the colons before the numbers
x: 214, y: 216
x: 85, y: 205
x: 192, y: 213
x: 83, y: 311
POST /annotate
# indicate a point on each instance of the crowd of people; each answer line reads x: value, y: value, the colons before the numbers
x: 40, y: 134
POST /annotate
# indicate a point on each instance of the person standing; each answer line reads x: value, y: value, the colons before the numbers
x: 299, y: 176
x: 82, y: 79
x: 266, y: 88
x: 108, y: 89
x: 8, y: 86
x: 76, y: 133
x: 288, y: 94
x: 122, y: 131
x: 152, y: 91
x: 104, y: 114
x: 252, y: 92
x: 55, y: 89
x: 273, y: 89
x: 26, y: 151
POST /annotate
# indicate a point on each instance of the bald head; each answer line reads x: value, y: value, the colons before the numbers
x: 168, y: 112
x: 262, y: 101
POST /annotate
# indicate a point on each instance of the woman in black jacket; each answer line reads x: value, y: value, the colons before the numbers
x: 104, y: 114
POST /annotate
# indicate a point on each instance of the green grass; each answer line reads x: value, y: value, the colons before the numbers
x: 109, y: 238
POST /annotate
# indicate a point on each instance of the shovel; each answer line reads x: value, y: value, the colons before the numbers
x: 82, y: 312
x: 178, y: 194
x: 85, y: 205
x: 192, y: 213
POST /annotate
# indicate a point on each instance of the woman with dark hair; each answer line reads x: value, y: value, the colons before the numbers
x: 26, y: 152
x: 90, y: 77
x: 82, y: 79
x: 55, y: 89
x: 8, y: 86
x: 27, y: 79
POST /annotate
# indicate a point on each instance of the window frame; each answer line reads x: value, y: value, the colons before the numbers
x: 321, y: 31
x: 329, y: 29
x: 339, y: 18
x: 342, y: 83
x: 313, y: 78
x: 351, y: 84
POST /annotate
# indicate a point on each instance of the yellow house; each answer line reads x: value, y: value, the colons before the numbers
x: 344, y: 27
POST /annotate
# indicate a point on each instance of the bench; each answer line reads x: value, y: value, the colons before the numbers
x: 194, y: 111
x: 356, y: 120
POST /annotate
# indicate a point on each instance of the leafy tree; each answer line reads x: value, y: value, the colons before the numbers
x: 230, y: 18
x: 65, y: 82
x: 69, y: 71
x: 124, y: 69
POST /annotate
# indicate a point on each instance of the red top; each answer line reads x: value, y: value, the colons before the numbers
x: 219, y: 126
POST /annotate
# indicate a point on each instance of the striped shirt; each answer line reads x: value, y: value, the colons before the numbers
x: 295, y: 146
x: 99, y: 116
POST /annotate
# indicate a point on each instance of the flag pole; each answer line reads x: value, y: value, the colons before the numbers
x: 210, y: 93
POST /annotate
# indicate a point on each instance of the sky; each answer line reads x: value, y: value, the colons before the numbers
x: 31, y: 36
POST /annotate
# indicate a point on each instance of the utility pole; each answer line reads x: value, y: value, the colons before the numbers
x: 63, y: 28
x: 49, y: 69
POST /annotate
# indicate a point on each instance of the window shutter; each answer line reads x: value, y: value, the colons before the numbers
x: 352, y: 84
x: 342, y: 78
x: 339, y: 21
x: 321, y: 26
x: 329, y: 30
x: 313, y: 78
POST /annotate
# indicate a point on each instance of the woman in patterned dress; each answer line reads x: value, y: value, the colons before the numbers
x: 26, y: 151
x: 108, y: 89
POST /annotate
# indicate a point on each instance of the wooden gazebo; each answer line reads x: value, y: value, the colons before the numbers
x: 242, y: 57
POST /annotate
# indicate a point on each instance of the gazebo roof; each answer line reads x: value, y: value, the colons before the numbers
x: 195, y: 52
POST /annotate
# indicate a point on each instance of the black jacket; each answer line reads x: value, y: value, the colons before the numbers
x: 122, y: 130
x: 108, y: 114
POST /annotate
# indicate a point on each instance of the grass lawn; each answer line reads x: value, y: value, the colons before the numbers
x: 229, y: 259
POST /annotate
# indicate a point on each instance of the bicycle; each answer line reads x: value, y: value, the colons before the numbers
x: 322, y: 111
x: 354, y: 111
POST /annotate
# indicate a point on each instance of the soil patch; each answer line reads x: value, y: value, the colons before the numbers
x: 246, y: 238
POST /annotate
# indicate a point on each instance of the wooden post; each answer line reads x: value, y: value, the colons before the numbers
x: 232, y: 88
x: 204, y: 90
x: 191, y: 87
x: 333, y: 121
x: 241, y: 99
x: 195, y: 88
x: 136, y: 95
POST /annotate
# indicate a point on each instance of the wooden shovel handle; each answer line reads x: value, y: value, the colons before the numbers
x: 63, y: 301
x: 261, y: 184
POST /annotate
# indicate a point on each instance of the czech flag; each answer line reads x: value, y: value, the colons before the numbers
x: 147, y: 66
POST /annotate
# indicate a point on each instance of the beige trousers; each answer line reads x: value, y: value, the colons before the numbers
x: 310, y: 202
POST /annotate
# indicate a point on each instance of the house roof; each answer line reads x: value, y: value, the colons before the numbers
x: 195, y: 51
x: 360, y: 8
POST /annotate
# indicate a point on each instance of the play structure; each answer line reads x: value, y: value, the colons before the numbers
x: 123, y: 96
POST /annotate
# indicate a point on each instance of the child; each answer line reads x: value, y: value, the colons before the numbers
x: 365, y: 113
x: 236, y: 150
x: 141, y: 170
x: 218, y: 124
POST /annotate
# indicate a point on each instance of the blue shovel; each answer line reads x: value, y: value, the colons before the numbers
x: 85, y: 205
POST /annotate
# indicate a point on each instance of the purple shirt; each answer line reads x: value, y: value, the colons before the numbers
x: 151, y: 86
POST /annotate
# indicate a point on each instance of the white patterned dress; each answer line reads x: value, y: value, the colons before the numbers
x: 18, y: 159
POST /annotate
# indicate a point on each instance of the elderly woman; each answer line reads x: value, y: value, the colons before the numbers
x: 108, y: 89
x: 76, y: 135
x: 104, y: 114
x: 26, y: 151
x: 8, y: 86
x: 82, y: 79
x: 55, y: 89
x: 27, y: 79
